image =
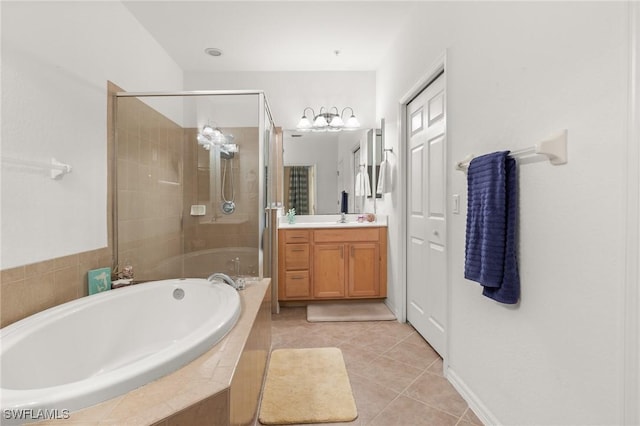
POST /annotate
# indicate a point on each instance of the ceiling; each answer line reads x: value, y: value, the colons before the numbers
x: 294, y: 35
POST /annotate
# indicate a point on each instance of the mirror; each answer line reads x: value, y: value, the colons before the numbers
x: 374, y: 157
x: 319, y: 166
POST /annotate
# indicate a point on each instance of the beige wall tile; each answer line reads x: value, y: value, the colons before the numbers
x: 66, y: 284
x: 11, y: 308
x: 13, y: 274
x: 48, y: 283
x: 38, y: 268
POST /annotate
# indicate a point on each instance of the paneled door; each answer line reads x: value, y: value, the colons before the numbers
x: 329, y: 270
x: 426, y: 215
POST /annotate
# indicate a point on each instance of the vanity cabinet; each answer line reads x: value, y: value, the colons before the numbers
x: 293, y: 264
x: 332, y: 263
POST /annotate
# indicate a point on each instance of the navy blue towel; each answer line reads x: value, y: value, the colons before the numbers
x: 344, y: 203
x: 490, y: 250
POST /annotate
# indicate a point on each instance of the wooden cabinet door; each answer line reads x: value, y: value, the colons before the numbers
x: 329, y: 271
x: 364, y: 270
x: 296, y: 257
x: 296, y: 285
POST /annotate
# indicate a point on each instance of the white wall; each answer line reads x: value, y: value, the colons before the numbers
x: 56, y: 60
x: 516, y: 73
x: 288, y: 93
x: 632, y: 306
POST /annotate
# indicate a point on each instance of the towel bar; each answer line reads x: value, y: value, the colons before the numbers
x: 554, y: 148
x: 56, y: 168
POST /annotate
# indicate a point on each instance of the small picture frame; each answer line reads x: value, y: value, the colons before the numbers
x: 99, y: 280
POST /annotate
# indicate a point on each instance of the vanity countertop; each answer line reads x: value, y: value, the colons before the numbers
x: 330, y: 221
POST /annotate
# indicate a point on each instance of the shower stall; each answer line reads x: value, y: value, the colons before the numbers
x: 191, y: 183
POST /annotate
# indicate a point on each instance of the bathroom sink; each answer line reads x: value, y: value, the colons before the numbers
x: 331, y: 221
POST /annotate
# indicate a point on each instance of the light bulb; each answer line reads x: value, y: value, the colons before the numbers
x: 320, y: 121
x: 352, y: 123
x: 336, y: 121
x: 202, y: 139
x: 207, y: 130
x: 304, y: 123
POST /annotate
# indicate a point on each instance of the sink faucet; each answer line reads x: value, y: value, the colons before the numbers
x: 225, y: 278
x: 343, y: 218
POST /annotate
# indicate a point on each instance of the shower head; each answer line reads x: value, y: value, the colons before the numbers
x: 228, y: 150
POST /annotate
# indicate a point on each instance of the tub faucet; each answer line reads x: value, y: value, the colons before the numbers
x: 225, y: 278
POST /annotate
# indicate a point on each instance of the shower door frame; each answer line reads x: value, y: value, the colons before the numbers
x: 264, y: 112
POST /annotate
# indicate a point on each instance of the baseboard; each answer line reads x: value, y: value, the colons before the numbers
x: 476, y: 405
x: 392, y: 308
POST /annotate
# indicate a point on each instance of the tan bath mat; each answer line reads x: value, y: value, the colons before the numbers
x: 364, y: 311
x: 307, y: 386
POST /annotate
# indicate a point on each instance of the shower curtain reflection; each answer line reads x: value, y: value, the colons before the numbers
x: 300, y: 189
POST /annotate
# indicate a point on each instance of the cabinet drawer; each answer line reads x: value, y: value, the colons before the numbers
x: 296, y: 236
x: 297, y: 284
x: 296, y: 256
x: 344, y: 235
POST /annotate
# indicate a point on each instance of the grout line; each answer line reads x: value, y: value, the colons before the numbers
x: 436, y: 408
x: 462, y: 416
x: 426, y: 403
x: 384, y: 408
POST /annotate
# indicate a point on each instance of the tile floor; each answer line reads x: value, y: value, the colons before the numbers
x: 396, y: 377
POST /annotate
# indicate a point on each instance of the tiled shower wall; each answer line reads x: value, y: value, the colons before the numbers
x: 149, y: 184
x: 217, y: 230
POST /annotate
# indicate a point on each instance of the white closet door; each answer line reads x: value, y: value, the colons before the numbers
x: 426, y: 211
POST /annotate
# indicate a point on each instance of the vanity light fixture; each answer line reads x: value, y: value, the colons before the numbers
x: 327, y: 121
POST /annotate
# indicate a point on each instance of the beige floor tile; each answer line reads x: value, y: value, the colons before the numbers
x: 396, y: 377
x: 470, y: 417
x: 413, y: 355
x: 370, y: 398
x: 436, y: 367
x: 437, y: 392
x: 357, y: 358
x: 343, y: 330
x: 405, y: 411
x: 416, y: 339
x: 315, y: 340
x: 392, y: 329
x: 379, y: 343
x: 393, y: 374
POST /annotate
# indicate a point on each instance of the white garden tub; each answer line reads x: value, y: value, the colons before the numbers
x: 95, y: 348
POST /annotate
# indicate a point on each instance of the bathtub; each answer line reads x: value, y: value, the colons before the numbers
x: 95, y: 348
